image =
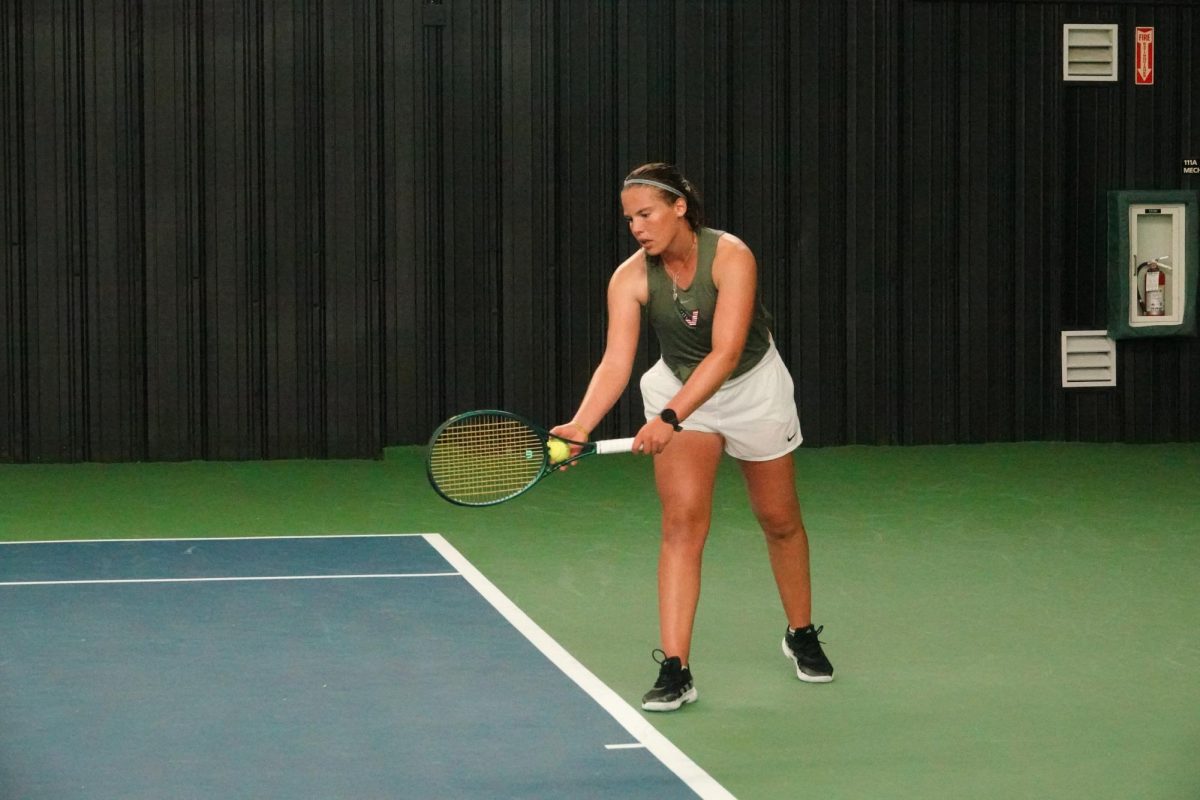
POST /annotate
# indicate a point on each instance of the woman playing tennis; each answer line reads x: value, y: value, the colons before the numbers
x: 719, y: 386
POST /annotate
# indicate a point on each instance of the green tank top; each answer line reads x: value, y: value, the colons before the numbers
x: 682, y: 318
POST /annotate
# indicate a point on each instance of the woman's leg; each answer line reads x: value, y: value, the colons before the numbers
x: 684, y: 473
x: 772, y: 489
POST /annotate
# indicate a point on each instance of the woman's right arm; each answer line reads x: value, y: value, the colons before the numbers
x: 626, y: 295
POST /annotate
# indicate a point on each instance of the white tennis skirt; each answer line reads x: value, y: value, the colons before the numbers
x: 755, y: 412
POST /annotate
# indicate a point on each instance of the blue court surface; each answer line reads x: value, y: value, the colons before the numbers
x: 310, y: 667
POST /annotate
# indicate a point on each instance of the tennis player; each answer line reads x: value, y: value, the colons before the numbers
x: 720, y: 386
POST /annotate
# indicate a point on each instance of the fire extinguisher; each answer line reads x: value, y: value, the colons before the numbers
x: 1151, y: 284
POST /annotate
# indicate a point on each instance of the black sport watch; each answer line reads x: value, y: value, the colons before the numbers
x: 669, y: 416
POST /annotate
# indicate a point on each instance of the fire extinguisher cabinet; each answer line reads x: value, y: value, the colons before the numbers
x: 1153, y: 262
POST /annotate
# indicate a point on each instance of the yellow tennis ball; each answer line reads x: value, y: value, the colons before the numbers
x: 558, y: 450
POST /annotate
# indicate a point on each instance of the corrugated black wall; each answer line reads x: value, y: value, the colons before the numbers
x: 304, y: 228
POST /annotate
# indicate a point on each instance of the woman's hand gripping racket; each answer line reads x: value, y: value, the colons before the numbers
x: 482, y: 458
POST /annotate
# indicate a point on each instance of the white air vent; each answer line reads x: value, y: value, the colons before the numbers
x: 1089, y: 358
x: 1089, y: 52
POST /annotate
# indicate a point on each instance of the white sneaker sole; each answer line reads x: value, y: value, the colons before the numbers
x: 690, y: 696
x: 801, y: 674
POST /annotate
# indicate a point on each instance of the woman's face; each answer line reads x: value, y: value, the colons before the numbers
x: 653, y: 221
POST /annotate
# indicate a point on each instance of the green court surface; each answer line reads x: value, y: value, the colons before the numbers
x: 1006, y: 621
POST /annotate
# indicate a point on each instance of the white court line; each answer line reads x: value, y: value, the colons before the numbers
x: 663, y: 749
x: 315, y: 537
x: 232, y: 579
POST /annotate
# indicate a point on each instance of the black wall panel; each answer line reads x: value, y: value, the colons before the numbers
x: 192, y: 217
x: 304, y: 228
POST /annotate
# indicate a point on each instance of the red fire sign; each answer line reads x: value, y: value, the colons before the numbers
x: 1144, y: 57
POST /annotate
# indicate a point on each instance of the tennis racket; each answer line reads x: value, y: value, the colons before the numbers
x: 482, y: 458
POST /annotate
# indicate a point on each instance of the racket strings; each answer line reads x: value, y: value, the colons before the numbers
x: 485, y: 459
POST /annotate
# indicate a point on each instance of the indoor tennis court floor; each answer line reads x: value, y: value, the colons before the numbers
x: 311, y: 667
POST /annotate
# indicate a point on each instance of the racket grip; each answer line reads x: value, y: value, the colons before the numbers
x: 606, y: 446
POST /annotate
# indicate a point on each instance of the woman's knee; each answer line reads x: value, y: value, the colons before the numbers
x: 780, y: 525
x: 685, y: 529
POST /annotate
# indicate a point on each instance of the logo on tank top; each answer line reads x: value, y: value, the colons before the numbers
x: 690, y: 318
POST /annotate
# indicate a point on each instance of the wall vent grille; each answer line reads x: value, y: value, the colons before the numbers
x: 1089, y: 52
x: 1089, y: 358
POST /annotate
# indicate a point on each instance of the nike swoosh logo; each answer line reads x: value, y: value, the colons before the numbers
x: 793, y: 436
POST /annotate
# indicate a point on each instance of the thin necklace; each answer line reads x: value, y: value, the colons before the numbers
x: 674, y: 283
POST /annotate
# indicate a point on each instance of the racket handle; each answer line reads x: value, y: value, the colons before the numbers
x: 606, y: 446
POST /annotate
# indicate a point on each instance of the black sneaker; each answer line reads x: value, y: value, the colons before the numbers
x: 803, y: 648
x: 673, y: 688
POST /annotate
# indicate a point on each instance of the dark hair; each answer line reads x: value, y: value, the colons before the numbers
x: 670, y: 175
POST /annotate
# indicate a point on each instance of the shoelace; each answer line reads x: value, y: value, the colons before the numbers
x: 667, y: 675
x: 809, y: 641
